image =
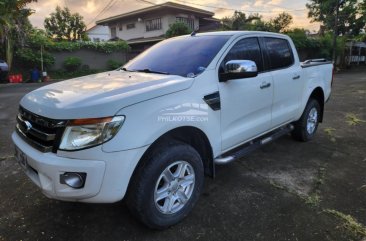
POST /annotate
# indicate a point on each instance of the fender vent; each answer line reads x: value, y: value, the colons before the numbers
x: 213, y: 100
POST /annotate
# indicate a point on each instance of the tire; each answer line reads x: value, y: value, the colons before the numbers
x: 159, y: 174
x: 307, y: 125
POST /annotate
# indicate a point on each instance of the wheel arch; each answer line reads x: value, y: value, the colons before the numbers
x: 318, y: 95
x: 190, y: 135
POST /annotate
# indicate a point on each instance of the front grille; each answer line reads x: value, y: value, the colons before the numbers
x: 42, y: 133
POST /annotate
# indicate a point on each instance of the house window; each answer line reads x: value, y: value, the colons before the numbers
x: 153, y: 24
x: 96, y: 39
x: 188, y: 21
x: 120, y: 27
x: 113, y: 32
x: 130, y: 25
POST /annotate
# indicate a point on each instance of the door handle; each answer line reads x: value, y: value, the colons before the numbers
x: 296, y: 77
x: 265, y: 85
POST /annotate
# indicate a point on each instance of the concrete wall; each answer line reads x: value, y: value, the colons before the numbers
x: 92, y: 58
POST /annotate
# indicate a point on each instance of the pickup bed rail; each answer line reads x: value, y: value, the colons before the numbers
x: 314, y: 62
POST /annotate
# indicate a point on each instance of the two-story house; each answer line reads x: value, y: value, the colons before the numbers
x: 147, y: 26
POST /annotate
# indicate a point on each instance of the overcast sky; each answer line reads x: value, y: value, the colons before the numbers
x: 91, y: 9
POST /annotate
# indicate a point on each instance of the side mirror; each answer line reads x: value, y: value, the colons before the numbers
x: 239, y: 69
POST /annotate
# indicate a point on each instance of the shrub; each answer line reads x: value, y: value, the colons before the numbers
x: 113, y: 64
x: 72, y: 63
x: 177, y: 29
x: 29, y: 58
x: 85, y: 67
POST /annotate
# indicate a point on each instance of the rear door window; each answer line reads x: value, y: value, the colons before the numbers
x: 279, y: 53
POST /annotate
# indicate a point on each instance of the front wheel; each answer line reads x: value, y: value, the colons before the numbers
x: 166, y: 186
x: 307, y: 125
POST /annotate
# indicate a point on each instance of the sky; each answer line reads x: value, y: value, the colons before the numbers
x: 92, y: 10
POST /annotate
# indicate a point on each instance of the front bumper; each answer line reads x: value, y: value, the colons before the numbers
x: 107, y: 174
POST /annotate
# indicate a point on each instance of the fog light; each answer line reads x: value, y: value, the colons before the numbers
x: 73, y: 179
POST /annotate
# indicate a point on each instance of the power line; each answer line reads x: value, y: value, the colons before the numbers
x: 112, y: 5
x: 106, y: 7
x: 145, y: 1
x: 232, y: 9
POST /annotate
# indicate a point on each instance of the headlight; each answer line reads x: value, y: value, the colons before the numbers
x: 83, y: 133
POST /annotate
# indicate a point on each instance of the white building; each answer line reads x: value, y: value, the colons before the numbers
x: 99, y: 33
x: 144, y: 27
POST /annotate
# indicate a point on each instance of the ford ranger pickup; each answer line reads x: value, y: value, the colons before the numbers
x: 150, y: 131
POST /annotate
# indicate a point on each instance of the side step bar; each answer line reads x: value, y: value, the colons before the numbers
x: 253, y: 145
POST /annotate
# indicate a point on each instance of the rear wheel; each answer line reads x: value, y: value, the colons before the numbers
x: 307, y: 125
x: 166, y: 186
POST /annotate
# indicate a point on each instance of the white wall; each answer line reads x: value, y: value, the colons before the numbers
x: 99, y: 32
x: 140, y: 27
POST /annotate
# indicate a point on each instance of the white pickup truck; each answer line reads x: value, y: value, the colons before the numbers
x: 150, y: 131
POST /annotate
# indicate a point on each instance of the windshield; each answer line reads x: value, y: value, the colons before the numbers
x: 185, y: 56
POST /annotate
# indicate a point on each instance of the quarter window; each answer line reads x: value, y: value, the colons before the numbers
x: 153, y: 24
x: 279, y: 53
x: 245, y: 49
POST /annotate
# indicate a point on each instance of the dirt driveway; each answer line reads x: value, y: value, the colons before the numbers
x: 285, y: 191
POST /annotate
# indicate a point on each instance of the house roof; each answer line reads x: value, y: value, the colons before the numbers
x: 166, y: 5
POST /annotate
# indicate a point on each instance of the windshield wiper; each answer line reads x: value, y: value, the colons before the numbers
x: 150, y: 71
x: 124, y: 69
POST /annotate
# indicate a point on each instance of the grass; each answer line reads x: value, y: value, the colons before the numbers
x: 313, y: 199
x: 278, y: 186
x: 349, y: 223
x: 353, y: 120
x: 330, y: 133
x: 4, y: 158
x: 363, y: 188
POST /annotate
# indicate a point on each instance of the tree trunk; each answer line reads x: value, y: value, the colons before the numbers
x: 9, y: 51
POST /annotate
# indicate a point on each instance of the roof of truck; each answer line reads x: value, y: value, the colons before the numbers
x: 237, y: 33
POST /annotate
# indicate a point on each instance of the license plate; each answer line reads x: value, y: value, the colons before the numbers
x: 21, y: 157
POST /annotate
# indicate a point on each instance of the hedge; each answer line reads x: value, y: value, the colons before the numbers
x: 105, y: 47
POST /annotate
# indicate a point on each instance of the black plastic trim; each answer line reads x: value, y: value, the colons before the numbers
x: 213, y: 100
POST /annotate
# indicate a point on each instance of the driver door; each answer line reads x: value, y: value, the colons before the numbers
x: 245, y: 103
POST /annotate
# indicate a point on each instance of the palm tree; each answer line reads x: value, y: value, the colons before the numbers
x: 13, y: 19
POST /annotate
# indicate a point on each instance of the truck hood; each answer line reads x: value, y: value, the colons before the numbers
x: 101, y: 94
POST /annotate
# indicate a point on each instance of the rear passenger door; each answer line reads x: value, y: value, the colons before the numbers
x: 287, y: 80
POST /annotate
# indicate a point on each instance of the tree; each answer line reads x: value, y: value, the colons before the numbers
x: 177, y: 29
x: 14, y: 24
x: 282, y: 22
x: 255, y: 22
x: 63, y: 25
x: 350, y: 20
x: 362, y: 12
x: 239, y: 21
x: 34, y: 53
